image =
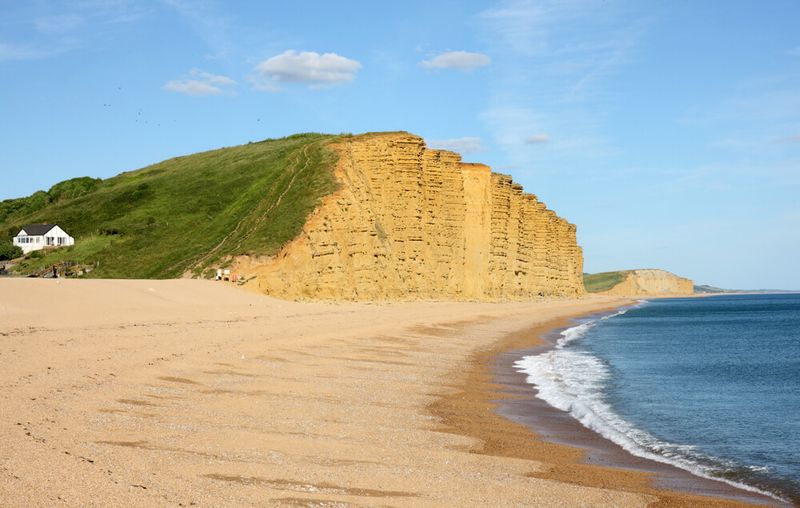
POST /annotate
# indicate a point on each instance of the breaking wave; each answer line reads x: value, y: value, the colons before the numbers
x: 574, y: 381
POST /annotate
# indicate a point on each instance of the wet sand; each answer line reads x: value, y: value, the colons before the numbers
x: 193, y: 393
x: 515, y: 401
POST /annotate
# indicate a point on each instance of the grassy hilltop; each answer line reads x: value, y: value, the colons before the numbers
x: 182, y: 214
x: 597, y: 282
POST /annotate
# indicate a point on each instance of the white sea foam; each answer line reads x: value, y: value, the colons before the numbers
x: 574, y: 381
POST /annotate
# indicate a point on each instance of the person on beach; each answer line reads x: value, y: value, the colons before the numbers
x: 55, y: 272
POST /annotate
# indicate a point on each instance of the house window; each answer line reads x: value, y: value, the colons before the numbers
x: 60, y: 240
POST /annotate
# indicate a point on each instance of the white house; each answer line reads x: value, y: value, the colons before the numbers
x: 38, y: 236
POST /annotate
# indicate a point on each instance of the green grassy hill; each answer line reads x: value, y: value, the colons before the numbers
x: 596, y: 282
x: 185, y: 213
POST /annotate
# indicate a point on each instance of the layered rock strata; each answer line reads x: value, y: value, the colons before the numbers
x: 414, y: 223
x: 652, y: 282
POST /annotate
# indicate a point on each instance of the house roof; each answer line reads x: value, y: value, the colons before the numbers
x: 38, y: 229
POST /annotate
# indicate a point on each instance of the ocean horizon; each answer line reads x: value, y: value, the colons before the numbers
x: 710, y: 385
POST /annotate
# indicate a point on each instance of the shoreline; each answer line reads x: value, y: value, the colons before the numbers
x: 162, y: 393
x: 523, y: 426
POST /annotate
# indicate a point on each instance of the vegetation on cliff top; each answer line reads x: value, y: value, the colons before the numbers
x: 597, y: 282
x: 186, y: 213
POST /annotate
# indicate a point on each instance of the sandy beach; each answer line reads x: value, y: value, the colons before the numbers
x: 193, y: 393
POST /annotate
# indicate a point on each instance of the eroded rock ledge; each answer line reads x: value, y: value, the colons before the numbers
x: 414, y: 223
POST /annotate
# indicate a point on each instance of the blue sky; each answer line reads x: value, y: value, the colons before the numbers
x: 669, y: 132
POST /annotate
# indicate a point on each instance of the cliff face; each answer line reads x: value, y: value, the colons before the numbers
x: 652, y: 283
x: 414, y: 223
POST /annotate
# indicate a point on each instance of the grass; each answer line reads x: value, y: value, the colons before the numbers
x: 89, y: 250
x: 597, y: 282
x: 186, y: 213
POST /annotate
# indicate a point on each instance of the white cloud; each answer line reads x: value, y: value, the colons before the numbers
x: 538, y: 139
x: 462, y: 60
x: 214, y: 79
x: 468, y: 144
x: 192, y: 87
x: 306, y: 67
x: 200, y: 83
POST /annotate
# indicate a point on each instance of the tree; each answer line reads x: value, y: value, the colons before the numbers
x: 9, y: 251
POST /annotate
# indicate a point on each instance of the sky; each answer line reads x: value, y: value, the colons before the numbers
x: 668, y: 131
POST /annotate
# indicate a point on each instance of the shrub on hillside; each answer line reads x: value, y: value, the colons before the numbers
x: 9, y: 251
x: 70, y: 189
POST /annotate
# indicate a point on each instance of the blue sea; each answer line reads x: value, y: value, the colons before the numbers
x: 711, y: 385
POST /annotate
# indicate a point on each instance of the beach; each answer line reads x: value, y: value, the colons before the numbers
x: 195, y: 393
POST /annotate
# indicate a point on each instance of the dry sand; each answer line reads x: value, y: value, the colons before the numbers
x: 185, y: 392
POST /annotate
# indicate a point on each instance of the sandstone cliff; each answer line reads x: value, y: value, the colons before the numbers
x: 652, y: 283
x: 413, y: 223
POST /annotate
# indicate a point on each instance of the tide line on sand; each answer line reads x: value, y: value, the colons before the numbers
x: 574, y: 381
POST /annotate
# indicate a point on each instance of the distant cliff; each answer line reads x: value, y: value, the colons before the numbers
x: 413, y: 223
x: 638, y: 283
